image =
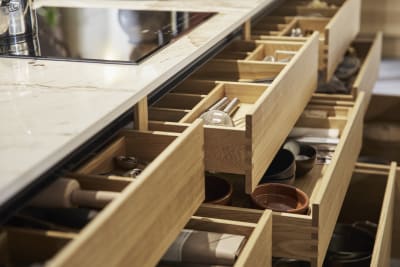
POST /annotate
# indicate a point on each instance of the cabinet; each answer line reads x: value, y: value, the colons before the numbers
x: 166, y: 197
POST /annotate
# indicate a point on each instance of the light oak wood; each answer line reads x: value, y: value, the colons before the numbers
x: 247, y: 30
x: 141, y: 115
x: 369, y: 71
x: 327, y: 202
x: 137, y: 220
x: 264, y: 141
x: 255, y: 225
x: 340, y: 32
x: 306, y: 237
x: 381, y: 255
x: 26, y: 246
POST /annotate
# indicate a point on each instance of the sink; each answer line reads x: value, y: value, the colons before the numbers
x: 110, y: 35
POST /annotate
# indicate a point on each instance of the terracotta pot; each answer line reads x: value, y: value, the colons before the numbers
x: 218, y: 190
x: 280, y: 197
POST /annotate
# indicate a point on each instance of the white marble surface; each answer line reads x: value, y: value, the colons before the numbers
x: 49, y: 108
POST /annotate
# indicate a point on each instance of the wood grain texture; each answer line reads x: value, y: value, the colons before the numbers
x: 381, y: 254
x: 24, y: 246
x: 139, y: 220
x: 287, y: 88
x: 327, y: 202
x: 225, y: 149
x: 258, y: 248
x: 369, y: 71
x: 141, y: 115
x: 294, y: 236
x: 340, y: 32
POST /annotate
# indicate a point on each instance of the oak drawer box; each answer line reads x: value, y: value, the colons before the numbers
x: 137, y: 227
x: 338, y: 27
x: 306, y: 237
x: 371, y: 197
x: 248, y: 147
x: 255, y: 225
x: 369, y: 52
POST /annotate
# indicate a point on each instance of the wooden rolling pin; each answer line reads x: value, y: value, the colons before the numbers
x: 66, y: 193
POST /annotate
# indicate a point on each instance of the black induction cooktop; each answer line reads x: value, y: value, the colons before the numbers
x: 108, y: 34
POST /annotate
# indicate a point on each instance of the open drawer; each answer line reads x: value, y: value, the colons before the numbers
x: 254, y: 224
x: 138, y: 226
x: 306, y: 237
x: 338, y: 25
x: 371, y: 197
x: 247, y: 147
x: 369, y: 53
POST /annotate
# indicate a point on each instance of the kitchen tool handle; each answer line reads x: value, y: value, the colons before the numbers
x: 219, y: 104
x: 92, y: 199
x: 232, y: 106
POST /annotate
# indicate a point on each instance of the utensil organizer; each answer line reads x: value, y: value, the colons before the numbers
x: 249, y: 146
x: 338, y: 26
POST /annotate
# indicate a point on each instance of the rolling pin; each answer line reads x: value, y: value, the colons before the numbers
x: 66, y: 193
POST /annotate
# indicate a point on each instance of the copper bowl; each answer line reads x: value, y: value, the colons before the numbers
x: 218, y: 190
x: 280, y: 197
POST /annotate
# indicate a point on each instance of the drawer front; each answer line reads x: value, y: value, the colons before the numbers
x: 258, y: 249
x: 276, y: 112
x: 369, y: 71
x: 340, y: 32
x: 381, y: 254
x: 150, y: 212
x: 332, y: 189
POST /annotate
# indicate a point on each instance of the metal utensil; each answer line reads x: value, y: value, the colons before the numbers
x: 221, y: 117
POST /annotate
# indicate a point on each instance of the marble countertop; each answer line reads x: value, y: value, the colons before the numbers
x: 49, y: 108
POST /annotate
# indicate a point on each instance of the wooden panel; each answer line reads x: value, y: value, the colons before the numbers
x: 178, y: 101
x: 328, y: 198
x: 340, y: 32
x: 294, y: 236
x: 237, y: 70
x: 369, y: 71
x: 268, y: 126
x: 381, y: 254
x: 22, y: 247
x: 224, y: 149
x: 166, y: 114
x: 258, y: 248
x: 139, y: 220
x: 141, y: 115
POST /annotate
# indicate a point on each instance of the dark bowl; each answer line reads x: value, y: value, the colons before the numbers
x: 280, y: 197
x: 304, y: 166
x: 283, y: 166
x: 218, y: 190
x: 349, y: 246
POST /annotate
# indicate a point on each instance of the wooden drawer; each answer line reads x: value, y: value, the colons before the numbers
x: 249, y: 146
x: 306, y: 237
x: 338, y: 27
x: 254, y: 224
x: 371, y: 197
x: 369, y: 51
x: 138, y: 226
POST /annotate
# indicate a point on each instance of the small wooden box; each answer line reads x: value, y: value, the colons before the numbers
x: 138, y: 226
x: 337, y: 26
x: 267, y: 111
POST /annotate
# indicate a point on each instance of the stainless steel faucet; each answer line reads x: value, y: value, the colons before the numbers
x: 18, y: 28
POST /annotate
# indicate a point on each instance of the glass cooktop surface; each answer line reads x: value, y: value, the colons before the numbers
x: 109, y: 34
